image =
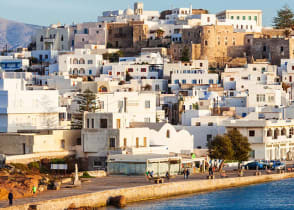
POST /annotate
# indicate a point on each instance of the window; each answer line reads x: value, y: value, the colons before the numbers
x: 130, y: 69
x: 249, y: 17
x: 61, y: 38
x: 120, y: 106
x: 254, y: 69
x: 209, y: 138
x: 167, y: 134
x: 176, y: 81
x: 198, y: 124
x: 194, y: 81
x: 41, y: 39
x: 271, y: 98
x: 145, y: 141
x: 282, y: 49
x: 255, y: 18
x: 86, y: 31
x: 251, y: 133
x: 244, y: 17
x: 97, y: 163
x: 79, y: 141
x: 88, y: 123
x: 143, y: 69
x: 238, y: 17
x: 260, y: 98
x: 137, y: 142
x: 292, y: 67
x: 157, y: 87
x: 232, y: 17
x: 147, y: 104
x: 210, y: 124
x: 112, y: 142
x: 90, y: 61
x: 183, y: 81
x: 62, y: 142
x: 125, y: 142
x: 252, y: 154
x: 103, y: 123
x: 206, y: 42
x: 201, y: 64
x: 118, y: 123
x: 82, y: 61
x: 92, y: 123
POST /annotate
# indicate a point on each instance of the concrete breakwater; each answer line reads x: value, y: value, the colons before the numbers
x: 148, y: 192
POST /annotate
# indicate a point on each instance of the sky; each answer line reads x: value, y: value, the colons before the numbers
x: 46, y: 12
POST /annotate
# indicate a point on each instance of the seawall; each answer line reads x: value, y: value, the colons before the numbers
x: 148, y: 192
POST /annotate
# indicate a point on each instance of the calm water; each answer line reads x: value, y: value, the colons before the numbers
x: 273, y: 195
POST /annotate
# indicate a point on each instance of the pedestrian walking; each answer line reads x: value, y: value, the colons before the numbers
x: 34, y: 189
x: 187, y: 173
x: 151, y: 174
x: 167, y: 175
x: 210, y: 170
x: 10, y: 198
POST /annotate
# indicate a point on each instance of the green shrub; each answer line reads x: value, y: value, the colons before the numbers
x: 34, y: 166
x: 58, y: 161
x: 86, y: 175
x: 20, y: 166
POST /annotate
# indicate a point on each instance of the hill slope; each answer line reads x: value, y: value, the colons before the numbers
x: 15, y: 34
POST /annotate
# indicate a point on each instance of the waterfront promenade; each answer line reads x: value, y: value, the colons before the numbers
x: 117, y: 185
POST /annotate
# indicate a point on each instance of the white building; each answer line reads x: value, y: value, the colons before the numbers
x: 8, y: 63
x: 110, y: 133
x: 55, y: 37
x: 269, y: 139
x: 21, y: 109
x: 139, y: 107
x: 80, y: 62
x: 89, y: 33
x: 137, y: 14
x: 242, y: 15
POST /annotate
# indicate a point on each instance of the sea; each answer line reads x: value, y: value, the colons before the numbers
x: 271, y: 195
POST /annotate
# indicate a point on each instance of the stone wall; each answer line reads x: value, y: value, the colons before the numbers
x: 135, y: 194
x: 25, y: 159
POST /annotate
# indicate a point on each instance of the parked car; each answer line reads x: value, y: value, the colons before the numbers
x: 254, y: 165
x: 278, y: 165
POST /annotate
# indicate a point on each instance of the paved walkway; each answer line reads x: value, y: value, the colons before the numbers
x: 106, y: 183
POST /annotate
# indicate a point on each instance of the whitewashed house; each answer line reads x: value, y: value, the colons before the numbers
x: 22, y: 109
x: 269, y: 139
x: 81, y: 62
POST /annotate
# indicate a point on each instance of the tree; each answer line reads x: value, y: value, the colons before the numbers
x: 284, y: 18
x: 185, y: 55
x: 231, y: 146
x: 87, y: 103
x: 240, y: 145
x: 220, y: 148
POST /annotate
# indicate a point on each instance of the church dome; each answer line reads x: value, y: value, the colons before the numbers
x: 128, y: 12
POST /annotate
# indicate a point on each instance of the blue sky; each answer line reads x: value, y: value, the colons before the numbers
x: 46, y: 12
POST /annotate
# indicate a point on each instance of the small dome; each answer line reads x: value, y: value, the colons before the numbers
x: 128, y: 12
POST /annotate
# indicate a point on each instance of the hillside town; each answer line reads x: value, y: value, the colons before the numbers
x: 139, y: 90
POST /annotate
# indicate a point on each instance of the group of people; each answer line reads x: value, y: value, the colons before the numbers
x: 149, y: 174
